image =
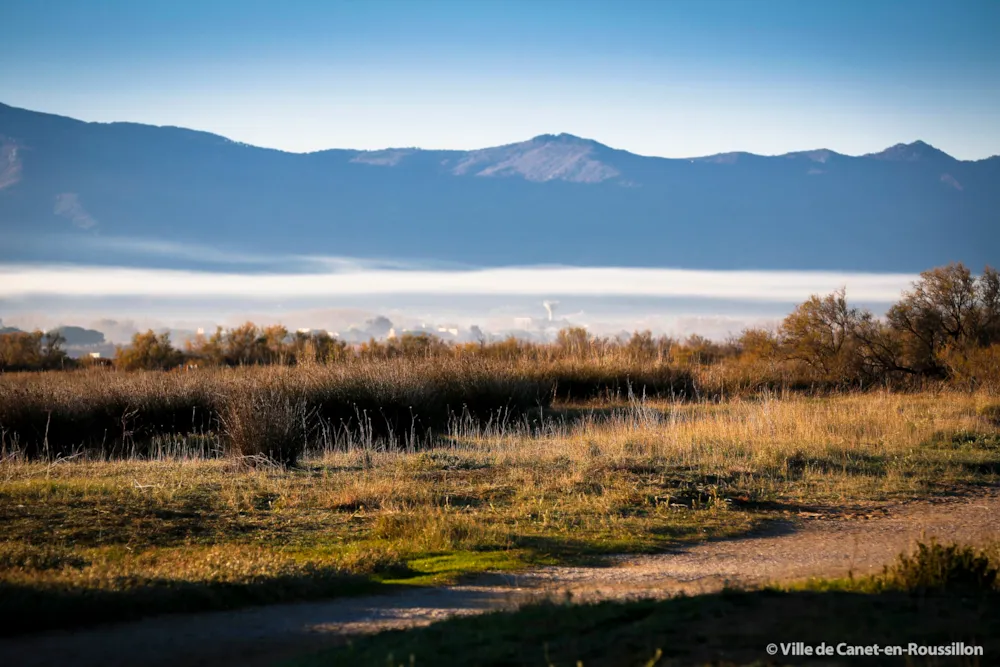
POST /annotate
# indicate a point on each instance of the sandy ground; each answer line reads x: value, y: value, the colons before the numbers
x: 804, y: 546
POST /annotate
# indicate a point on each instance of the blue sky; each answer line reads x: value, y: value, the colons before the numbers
x: 657, y: 77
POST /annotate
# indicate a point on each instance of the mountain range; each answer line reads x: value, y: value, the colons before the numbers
x: 67, y: 187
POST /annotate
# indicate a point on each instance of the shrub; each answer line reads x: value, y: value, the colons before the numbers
x: 267, y: 423
x: 974, y: 367
x: 936, y: 568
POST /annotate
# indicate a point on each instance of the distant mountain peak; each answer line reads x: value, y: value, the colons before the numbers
x: 547, y: 157
x: 912, y: 152
x: 821, y: 155
x: 389, y: 157
x: 564, y: 138
x: 725, y: 158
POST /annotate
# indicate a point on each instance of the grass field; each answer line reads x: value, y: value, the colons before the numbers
x: 88, y: 538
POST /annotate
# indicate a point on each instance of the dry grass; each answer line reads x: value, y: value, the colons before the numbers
x: 402, y: 401
x: 573, y: 482
x: 844, y: 448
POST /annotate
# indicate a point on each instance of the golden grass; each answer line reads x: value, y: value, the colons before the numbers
x: 847, y: 447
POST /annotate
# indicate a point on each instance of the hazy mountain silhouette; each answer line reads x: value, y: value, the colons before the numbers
x: 551, y: 199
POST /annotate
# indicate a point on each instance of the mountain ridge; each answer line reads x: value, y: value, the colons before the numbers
x: 562, y: 137
x: 554, y: 198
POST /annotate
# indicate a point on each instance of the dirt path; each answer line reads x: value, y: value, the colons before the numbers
x: 806, y: 546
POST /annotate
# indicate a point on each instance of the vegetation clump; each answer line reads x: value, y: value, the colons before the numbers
x: 265, y: 425
x: 148, y: 351
x: 28, y: 351
x: 934, y: 567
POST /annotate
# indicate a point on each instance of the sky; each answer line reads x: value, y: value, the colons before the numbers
x: 674, y: 78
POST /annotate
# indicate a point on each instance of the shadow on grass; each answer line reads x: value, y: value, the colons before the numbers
x: 667, y: 540
x: 732, y: 627
x: 981, y: 467
x: 25, y: 609
x: 843, y: 462
x: 573, y: 414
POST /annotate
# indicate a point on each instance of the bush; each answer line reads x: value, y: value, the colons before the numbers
x: 937, y: 568
x: 974, y: 367
x: 268, y: 423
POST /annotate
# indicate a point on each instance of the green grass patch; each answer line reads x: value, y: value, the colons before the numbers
x: 448, y: 568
